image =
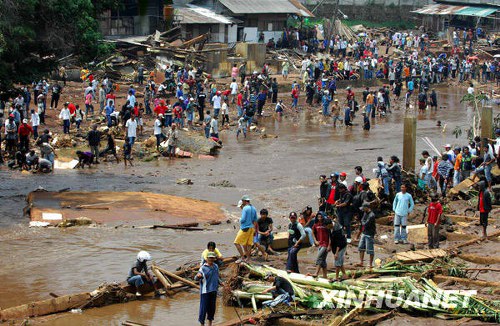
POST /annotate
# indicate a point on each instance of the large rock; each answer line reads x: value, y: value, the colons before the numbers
x: 196, y: 143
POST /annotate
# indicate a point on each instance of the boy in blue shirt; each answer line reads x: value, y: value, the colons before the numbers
x: 208, y: 275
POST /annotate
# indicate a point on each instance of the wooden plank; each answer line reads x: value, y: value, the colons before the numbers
x: 466, y: 281
x: 420, y: 255
x: 477, y: 240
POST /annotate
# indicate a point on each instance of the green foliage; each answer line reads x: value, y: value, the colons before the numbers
x: 34, y: 33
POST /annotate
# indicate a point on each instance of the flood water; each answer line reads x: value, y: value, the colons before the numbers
x: 278, y: 173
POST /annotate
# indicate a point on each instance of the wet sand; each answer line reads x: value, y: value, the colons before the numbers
x: 280, y: 174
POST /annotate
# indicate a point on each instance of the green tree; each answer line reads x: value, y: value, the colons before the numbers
x: 34, y: 33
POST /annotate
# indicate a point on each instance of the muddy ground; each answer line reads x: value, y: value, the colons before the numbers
x: 280, y: 174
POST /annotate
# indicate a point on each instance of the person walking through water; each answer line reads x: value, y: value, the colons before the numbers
x: 208, y: 275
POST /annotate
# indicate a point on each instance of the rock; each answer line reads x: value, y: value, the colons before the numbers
x: 222, y: 183
x: 76, y: 222
x: 150, y: 142
x: 196, y: 143
x: 184, y: 181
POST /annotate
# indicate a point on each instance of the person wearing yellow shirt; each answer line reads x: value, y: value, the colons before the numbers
x: 211, y: 247
x: 458, y: 164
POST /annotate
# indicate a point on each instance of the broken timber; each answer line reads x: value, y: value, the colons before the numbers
x: 420, y: 255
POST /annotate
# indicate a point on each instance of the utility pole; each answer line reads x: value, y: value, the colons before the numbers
x: 486, y: 122
x: 409, y: 140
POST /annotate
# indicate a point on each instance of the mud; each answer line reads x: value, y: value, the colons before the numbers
x: 280, y: 174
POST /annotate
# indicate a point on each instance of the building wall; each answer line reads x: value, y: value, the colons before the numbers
x: 373, y: 10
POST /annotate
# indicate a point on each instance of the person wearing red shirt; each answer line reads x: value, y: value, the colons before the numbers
x: 295, y: 97
x: 161, y: 108
x: 239, y: 104
x: 110, y: 97
x: 24, y: 132
x: 434, y: 212
x: 484, y: 205
x: 322, y: 241
x: 72, y: 108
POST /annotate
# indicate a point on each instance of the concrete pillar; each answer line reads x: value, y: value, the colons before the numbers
x: 409, y: 143
x: 486, y: 122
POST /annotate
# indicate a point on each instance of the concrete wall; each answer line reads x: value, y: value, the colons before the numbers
x: 374, y: 10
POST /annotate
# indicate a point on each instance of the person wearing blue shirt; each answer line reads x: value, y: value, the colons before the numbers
x: 411, y: 85
x: 110, y: 108
x: 402, y: 206
x: 208, y: 275
x: 248, y: 221
x: 326, y: 102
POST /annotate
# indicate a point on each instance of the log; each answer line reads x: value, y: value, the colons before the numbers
x: 477, y: 240
x: 481, y: 283
x: 175, y: 227
x: 178, y: 278
x: 163, y: 280
x: 374, y: 320
x: 480, y: 260
x: 292, y: 322
x: 45, y: 307
x: 132, y: 323
x: 242, y: 320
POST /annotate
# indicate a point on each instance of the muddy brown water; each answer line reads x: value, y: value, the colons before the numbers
x: 280, y: 174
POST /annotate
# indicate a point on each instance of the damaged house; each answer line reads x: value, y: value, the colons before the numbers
x: 236, y: 20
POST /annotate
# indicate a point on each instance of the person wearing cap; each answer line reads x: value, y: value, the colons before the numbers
x: 434, y: 212
x: 296, y: 236
x: 208, y: 276
x: 248, y: 224
x: 486, y: 166
x: 190, y: 109
x: 24, y: 132
x: 402, y: 206
x: 138, y: 273
x: 324, y: 191
x: 450, y: 152
x: 65, y: 116
x: 343, y: 178
x: 367, y: 231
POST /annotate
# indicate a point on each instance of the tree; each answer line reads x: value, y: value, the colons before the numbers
x: 474, y: 101
x: 34, y: 33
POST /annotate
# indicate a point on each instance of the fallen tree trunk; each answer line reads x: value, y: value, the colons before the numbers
x: 479, y: 259
x: 443, y: 278
x: 477, y: 240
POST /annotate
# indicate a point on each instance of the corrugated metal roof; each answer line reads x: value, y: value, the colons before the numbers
x: 199, y: 15
x: 266, y: 7
x: 442, y: 9
x: 439, y: 9
x: 477, y: 11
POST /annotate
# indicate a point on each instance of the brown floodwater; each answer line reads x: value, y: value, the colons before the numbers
x: 278, y: 173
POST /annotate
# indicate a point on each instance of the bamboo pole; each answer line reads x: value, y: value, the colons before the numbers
x: 178, y: 278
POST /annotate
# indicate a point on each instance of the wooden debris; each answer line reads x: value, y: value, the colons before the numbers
x: 420, y: 255
x: 466, y: 281
x: 477, y: 240
x: 178, y: 278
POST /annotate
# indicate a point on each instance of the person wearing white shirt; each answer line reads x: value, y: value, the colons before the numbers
x: 217, y: 103
x: 131, y: 126
x: 214, y: 128
x: 35, y: 122
x: 158, y: 130
x: 65, y: 116
x: 234, y: 90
